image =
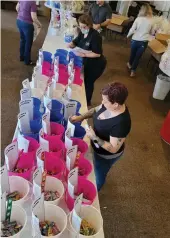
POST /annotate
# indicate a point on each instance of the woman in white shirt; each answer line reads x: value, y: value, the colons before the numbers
x: 140, y: 30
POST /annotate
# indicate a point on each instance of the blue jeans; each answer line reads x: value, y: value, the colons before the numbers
x: 26, y: 39
x: 137, y: 50
x: 102, y: 167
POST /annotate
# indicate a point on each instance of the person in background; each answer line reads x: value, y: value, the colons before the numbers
x: 141, y: 30
x: 94, y: 61
x: 26, y: 16
x: 112, y: 124
x: 101, y: 14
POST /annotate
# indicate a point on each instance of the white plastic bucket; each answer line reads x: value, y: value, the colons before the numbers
x: 37, y: 93
x: 76, y: 96
x: 41, y: 83
x: 57, y: 94
x: 59, y: 86
x: 56, y: 214
x: 53, y: 184
x: 162, y: 87
x: 93, y: 216
x: 19, y: 215
x: 22, y: 186
x: 76, y: 88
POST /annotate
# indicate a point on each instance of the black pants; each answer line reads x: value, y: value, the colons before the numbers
x: 92, y: 71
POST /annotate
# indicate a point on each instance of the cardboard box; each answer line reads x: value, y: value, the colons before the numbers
x: 163, y: 38
x: 118, y: 19
x: 157, y: 46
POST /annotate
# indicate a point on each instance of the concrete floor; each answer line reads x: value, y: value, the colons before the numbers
x: 135, y: 201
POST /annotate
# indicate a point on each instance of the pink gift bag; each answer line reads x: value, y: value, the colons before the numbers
x: 56, y: 146
x: 25, y: 161
x: 46, y: 69
x: 54, y: 165
x: 57, y: 131
x: 84, y: 168
x: 82, y: 145
x: 87, y: 188
x: 33, y: 146
x: 63, y: 77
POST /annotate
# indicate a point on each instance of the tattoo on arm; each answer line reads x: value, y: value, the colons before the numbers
x: 106, y: 145
x: 90, y: 113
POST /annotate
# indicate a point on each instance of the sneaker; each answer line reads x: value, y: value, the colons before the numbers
x: 132, y: 74
x: 31, y: 63
x: 128, y: 65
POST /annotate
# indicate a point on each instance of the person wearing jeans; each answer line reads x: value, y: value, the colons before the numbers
x: 137, y: 50
x: 112, y: 124
x: 102, y: 167
x: 26, y: 16
x: 141, y: 30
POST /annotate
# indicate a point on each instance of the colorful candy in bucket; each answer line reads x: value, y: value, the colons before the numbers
x: 19, y: 190
x: 52, y: 187
x: 13, y: 218
x: 51, y: 196
x: 54, y: 222
x: 14, y: 196
x: 86, y: 228
x: 91, y: 223
x: 9, y: 229
x: 48, y: 228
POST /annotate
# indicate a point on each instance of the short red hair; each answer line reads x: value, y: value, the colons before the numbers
x: 116, y: 93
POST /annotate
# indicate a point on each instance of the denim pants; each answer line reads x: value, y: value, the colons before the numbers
x: 102, y: 167
x: 137, y: 50
x: 26, y: 39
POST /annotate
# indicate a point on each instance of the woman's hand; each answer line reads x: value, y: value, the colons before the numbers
x: 90, y: 133
x: 70, y: 45
x: 80, y: 54
x: 75, y: 118
x: 96, y: 26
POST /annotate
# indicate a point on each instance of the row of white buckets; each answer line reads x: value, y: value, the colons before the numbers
x: 52, y: 211
x: 162, y: 87
x: 18, y: 214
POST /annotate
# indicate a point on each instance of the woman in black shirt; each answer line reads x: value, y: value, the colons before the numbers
x: 94, y: 61
x: 112, y: 124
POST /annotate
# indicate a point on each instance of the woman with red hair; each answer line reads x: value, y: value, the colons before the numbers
x: 112, y: 124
